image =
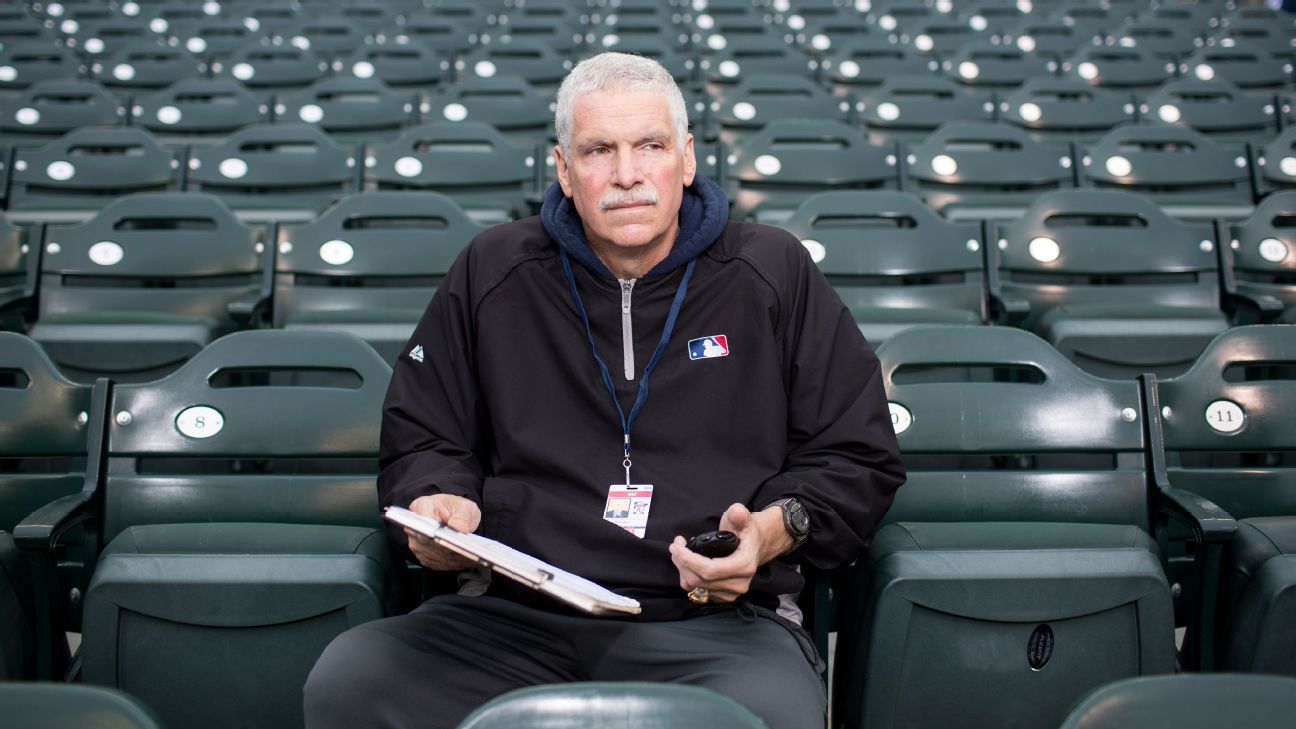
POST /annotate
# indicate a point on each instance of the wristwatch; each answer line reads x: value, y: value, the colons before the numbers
x: 795, y: 520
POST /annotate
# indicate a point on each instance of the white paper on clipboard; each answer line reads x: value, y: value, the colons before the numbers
x: 537, y: 574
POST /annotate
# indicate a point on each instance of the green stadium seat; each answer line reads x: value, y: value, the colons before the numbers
x: 1252, y: 69
x: 1227, y: 423
x: 198, y: 111
x: 369, y: 265
x: 1049, y: 37
x: 1016, y: 570
x: 17, y: 286
x: 31, y: 61
x: 908, y: 108
x: 1064, y: 110
x: 781, y: 165
x: 764, y: 98
x: 239, y: 510
x: 69, y: 706
x: 1128, y: 69
x: 1271, y: 35
x: 1275, y: 161
x: 984, y: 64
x: 17, y: 615
x: 866, y: 63
x: 1110, y: 280
x: 508, y: 103
x: 287, y: 171
x: 144, y: 66
x: 534, y: 61
x: 269, y: 70
x: 629, y: 705
x: 350, y: 109
x: 82, y: 172
x: 1216, y: 108
x: 893, y: 261
x: 404, y: 67
x: 743, y: 58
x: 146, y: 284
x: 1188, y: 702
x: 938, y: 37
x: 444, y: 36
x: 50, y: 431
x: 1259, y: 261
x: 1185, y: 173
x: 470, y: 162
x: 981, y: 170
x: 327, y: 35
x: 49, y: 109
x: 1166, y: 40
x: 213, y: 38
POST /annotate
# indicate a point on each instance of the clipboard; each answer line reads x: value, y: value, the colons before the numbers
x: 519, y: 566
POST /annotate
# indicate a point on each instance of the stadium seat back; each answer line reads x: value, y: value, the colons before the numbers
x: 86, y: 169
x: 1216, y: 108
x: 145, y: 284
x: 1061, y: 109
x: 1249, y: 68
x: 1111, y: 281
x: 471, y: 162
x: 508, y: 103
x: 49, y: 109
x: 980, y: 169
x: 350, y: 109
x: 911, y: 107
x: 932, y: 271
x: 641, y: 705
x: 199, y: 111
x: 1189, y: 701
x: 778, y: 167
x: 67, y: 705
x: 369, y: 265
x: 983, y: 64
x: 1263, y: 253
x: 291, y: 167
x: 398, y: 65
x: 261, y: 426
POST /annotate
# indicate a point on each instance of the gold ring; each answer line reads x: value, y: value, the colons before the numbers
x: 699, y: 595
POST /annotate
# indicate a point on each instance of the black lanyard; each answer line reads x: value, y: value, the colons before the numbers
x: 676, y: 304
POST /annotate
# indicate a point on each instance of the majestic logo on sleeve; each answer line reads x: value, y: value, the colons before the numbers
x: 716, y: 345
x: 416, y: 354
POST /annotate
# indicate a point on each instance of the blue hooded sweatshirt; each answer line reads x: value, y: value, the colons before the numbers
x: 704, y: 210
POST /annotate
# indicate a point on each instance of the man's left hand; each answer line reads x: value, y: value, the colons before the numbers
x: 761, y: 538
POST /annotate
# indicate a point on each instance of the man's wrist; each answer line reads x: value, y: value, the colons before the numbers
x: 795, y: 520
x: 776, y: 541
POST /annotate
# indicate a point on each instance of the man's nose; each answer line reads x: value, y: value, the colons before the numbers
x: 626, y: 171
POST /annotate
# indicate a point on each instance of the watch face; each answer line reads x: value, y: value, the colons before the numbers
x: 798, y: 521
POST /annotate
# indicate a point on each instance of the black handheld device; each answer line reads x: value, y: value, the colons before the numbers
x: 714, y: 544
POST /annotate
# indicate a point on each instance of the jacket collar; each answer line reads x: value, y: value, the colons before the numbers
x: 704, y: 210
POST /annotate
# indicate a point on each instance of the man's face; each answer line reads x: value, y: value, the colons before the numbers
x: 625, y: 171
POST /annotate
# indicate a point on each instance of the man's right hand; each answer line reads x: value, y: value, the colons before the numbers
x: 454, y: 511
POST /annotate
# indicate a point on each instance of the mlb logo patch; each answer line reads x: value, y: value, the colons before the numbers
x: 716, y: 345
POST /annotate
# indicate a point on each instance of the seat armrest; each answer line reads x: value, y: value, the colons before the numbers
x: 40, y: 531
x: 1204, y: 517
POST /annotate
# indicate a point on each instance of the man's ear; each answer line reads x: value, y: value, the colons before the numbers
x: 563, y: 180
x: 690, y: 161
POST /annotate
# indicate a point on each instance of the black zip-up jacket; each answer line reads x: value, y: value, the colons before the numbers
x: 507, y: 407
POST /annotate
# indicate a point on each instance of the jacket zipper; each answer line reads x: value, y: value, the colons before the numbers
x: 627, y: 332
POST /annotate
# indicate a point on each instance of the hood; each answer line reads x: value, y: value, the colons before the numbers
x: 704, y: 210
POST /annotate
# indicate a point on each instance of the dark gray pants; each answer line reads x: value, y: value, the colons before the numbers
x: 430, y: 668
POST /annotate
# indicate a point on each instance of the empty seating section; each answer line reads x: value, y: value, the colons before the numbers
x: 220, y: 222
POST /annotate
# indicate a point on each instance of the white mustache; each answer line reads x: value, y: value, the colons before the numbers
x: 633, y: 196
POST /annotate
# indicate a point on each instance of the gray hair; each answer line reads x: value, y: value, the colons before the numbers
x: 617, y: 71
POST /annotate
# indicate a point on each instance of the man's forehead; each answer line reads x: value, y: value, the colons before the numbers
x: 634, y: 112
